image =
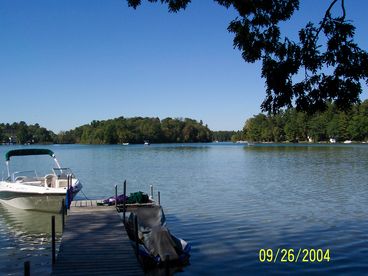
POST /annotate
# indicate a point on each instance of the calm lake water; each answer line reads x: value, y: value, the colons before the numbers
x: 228, y: 200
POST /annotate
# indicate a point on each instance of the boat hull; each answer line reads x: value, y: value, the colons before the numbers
x: 45, y: 203
x: 34, y: 198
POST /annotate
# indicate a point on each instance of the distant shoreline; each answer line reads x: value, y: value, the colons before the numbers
x: 211, y: 142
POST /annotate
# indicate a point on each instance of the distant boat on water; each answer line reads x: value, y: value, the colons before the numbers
x: 146, y: 143
x: 125, y: 144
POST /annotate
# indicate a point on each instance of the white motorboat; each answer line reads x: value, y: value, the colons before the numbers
x: 29, y: 191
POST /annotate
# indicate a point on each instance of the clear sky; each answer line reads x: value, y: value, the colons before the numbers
x: 66, y: 63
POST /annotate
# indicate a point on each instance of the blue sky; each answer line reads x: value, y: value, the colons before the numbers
x: 66, y: 63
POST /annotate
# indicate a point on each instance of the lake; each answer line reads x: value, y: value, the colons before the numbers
x: 228, y: 200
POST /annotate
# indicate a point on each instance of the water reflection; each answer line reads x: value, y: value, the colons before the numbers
x: 25, y: 236
x: 30, y: 222
x: 266, y: 147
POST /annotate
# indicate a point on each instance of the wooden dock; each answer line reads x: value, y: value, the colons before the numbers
x: 95, y: 242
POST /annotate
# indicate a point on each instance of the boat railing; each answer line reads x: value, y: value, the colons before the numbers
x: 62, y: 173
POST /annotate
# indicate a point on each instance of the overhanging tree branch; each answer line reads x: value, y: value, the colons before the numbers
x: 327, y: 16
x: 257, y: 35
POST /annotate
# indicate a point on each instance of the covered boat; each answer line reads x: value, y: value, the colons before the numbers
x: 156, y: 244
x: 29, y: 191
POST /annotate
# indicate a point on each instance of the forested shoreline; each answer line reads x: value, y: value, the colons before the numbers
x: 294, y: 126
x: 120, y: 130
x: 286, y: 126
x: 137, y: 130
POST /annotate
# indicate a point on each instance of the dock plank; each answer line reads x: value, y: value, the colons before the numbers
x: 95, y: 242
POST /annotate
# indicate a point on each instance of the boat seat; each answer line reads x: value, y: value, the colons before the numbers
x: 61, y: 183
x: 50, y: 180
x: 32, y: 181
x: 20, y: 178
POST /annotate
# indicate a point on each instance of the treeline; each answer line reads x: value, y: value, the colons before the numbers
x: 294, y: 126
x: 22, y: 133
x: 222, y: 135
x: 289, y: 125
x: 137, y: 130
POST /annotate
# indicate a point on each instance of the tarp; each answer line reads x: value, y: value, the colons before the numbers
x: 22, y: 152
x: 153, y: 232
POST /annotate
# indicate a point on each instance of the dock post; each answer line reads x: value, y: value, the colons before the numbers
x: 136, y: 234
x: 124, y: 202
x: 68, y: 191
x: 63, y: 214
x: 151, y: 187
x: 53, y: 240
x: 159, y: 198
x: 27, y: 268
x: 116, y: 196
x: 167, y: 265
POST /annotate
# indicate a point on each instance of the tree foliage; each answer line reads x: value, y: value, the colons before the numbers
x: 323, y: 65
x: 223, y: 135
x: 293, y: 126
x: 137, y: 130
x: 22, y: 133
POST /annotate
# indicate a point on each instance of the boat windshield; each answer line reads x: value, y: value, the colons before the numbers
x: 62, y: 173
x: 22, y: 175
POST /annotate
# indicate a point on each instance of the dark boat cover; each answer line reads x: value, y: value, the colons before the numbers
x: 152, y: 231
